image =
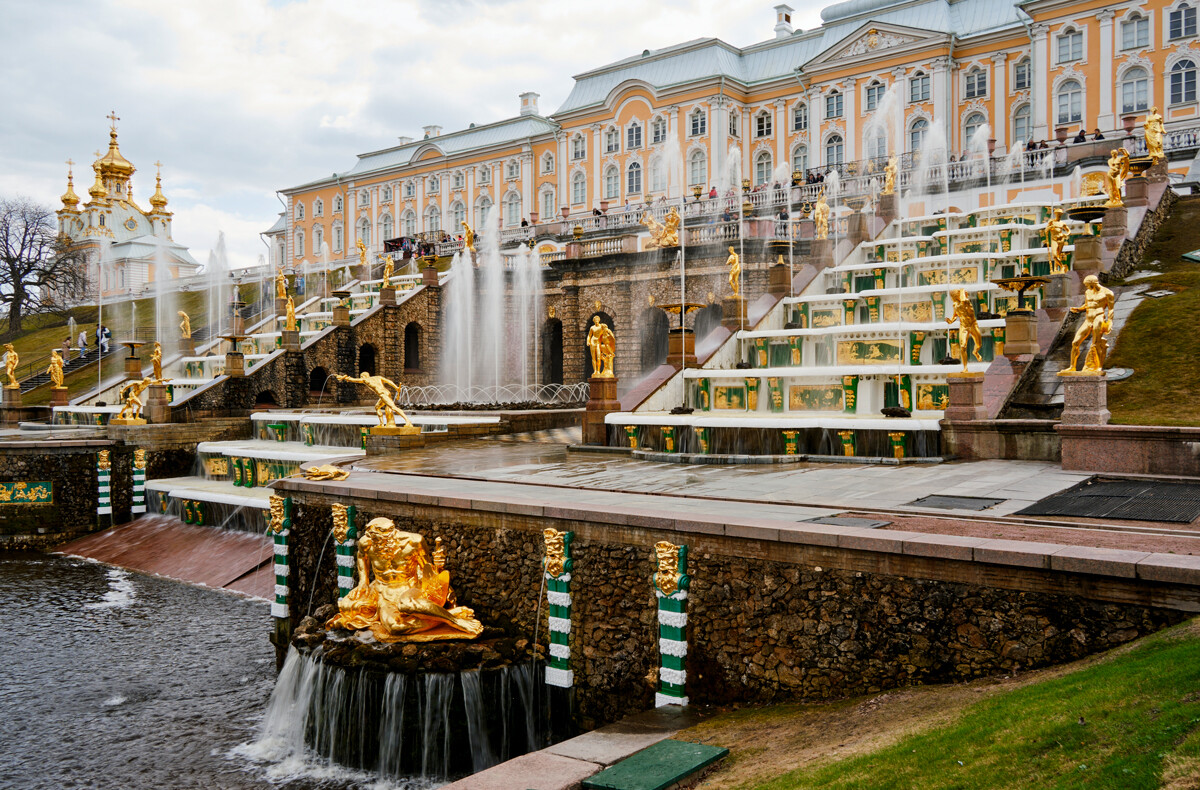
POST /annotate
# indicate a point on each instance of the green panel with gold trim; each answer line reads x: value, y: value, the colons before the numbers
x: 867, y: 352
x: 815, y: 397
x: 958, y: 276
x: 823, y: 318
x: 24, y: 492
x: 932, y: 397
x: 729, y: 397
x: 913, y: 312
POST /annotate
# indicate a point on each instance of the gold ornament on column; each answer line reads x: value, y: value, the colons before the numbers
x: 556, y: 552
x: 341, y: 522
x: 668, y: 575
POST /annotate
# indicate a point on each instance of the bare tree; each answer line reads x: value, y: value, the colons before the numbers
x: 38, y: 269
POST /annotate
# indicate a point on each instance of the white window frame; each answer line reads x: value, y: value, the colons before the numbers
x: 873, y: 92
x: 512, y: 209
x: 840, y: 157
x: 919, y: 125
x: 1024, y: 63
x: 1017, y: 136
x: 697, y: 166
x: 578, y: 147
x: 983, y: 119
x: 1171, y: 66
x: 1132, y: 20
x: 612, y: 183
x: 1179, y: 7
x: 435, y: 185
x: 387, y: 194
x: 548, y: 162
x: 764, y: 124
x: 735, y: 126
x: 337, y: 204
x: 408, y: 223
x: 1058, y: 105
x: 339, y: 237
x: 512, y: 170
x: 578, y: 188
x: 633, y: 136
x: 658, y: 131
x: 410, y: 190
x: 1069, y: 33
x: 919, y: 87
x: 299, y: 210
x: 433, y: 219
x: 385, y: 232
x: 318, y: 208
x: 972, y: 79
x: 764, y: 166
x: 1124, y: 81
x: 612, y: 141
x: 364, y: 231
x: 458, y: 214
x: 800, y: 117
x: 834, y: 100
x: 548, y: 207
x: 458, y: 180
x: 633, y: 178
x: 800, y: 149
x: 697, y: 123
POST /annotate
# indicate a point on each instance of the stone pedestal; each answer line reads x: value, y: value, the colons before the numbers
x: 1087, y: 258
x: 966, y: 398
x: 289, y: 340
x: 429, y: 276
x: 237, y: 324
x: 779, y: 279
x: 1158, y: 173
x: 58, y: 397
x: 681, y: 346
x: 1085, y: 399
x: 388, y: 443
x: 10, y: 406
x: 1137, y: 191
x: 1020, y: 333
x: 1056, y: 292
x: 856, y: 228
x: 387, y: 296
x: 603, y: 401
x: 133, y: 368
x: 1113, y: 226
x: 235, y: 364
x: 187, y: 347
x: 887, y: 207
x: 821, y: 253
x: 158, y: 407
x: 280, y: 307
x: 733, y: 313
x: 127, y: 421
x: 341, y: 315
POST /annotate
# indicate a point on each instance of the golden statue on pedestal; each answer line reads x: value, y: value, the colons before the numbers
x: 1109, y: 182
x: 468, y: 237
x: 734, y: 262
x: 821, y: 218
x: 385, y: 408
x: 156, y: 361
x: 56, y: 370
x: 280, y: 285
x: 1153, y: 128
x: 11, y: 360
x: 289, y: 323
x: 401, y: 595
x: 968, y: 325
x: 185, y: 325
x: 889, y: 174
x: 131, y: 392
x: 664, y: 234
x: 387, y: 273
x: 1097, y: 308
x: 603, y: 345
x: 362, y: 253
x: 1057, y: 235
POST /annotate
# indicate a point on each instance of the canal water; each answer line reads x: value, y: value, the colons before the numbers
x: 113, y: 679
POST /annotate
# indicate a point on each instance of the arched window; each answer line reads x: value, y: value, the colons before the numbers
x: 800, y: 159
x: 512, y: 209
x: 1070, y: 102
x: 408, y: 224
x: 1135, y: 90
x: 974, y: 122
x: 387, y: 194
x: 318, y: 208
x: 389, y: 227
x: 513, y: 169
x: 458, y: 215
x: 578, y: 147
x: 834, y: 150
x: 339, y: 237
x: 337, y: 204
x: 1183, y: 82
x: 1135, y: 31
x: 698, y: 123
x: 633, y: 179
x: 658, y: 176
x: 875, y: 91
x: 299, y: 243
x: 697, y: 168
x: 612, y: 183
x: 1183, y: 21
x: 364, y: 231
x: 366, y: 359
x: 547, y: 205
x: 976, y: 83
x: 1021, y: 75
x: 410, y: 189
x: 482, y: 208
x: 548, y: 162
x: 1070, y: 45
x: 633, y: 136
x: 918, y: 87
x: 433, y: 219
x: 763, y: 124
x: 1022, y: 124
x: 800, y: 117
x: 877, y: 143
x: 299, y: 211
x: 612, y: 141
x: 833, y: 104
x: 578, y: 189
x: 658, y: 130
x: 762, y: 168
x: 435, y: 184
x: 916, y: 134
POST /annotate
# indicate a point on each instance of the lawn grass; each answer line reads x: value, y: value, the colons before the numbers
x: 1158, y: 341
x: 1128, y: 719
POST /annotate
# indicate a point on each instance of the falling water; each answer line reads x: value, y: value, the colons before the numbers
x: 460, y: 315
x: 490, y: 344
x: 932, y: 172
x: 165, y: 297
x: 216, y: 278
x: 526, y: 298
x: 977, y: 148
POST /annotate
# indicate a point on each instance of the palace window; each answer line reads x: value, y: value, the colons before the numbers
x: 364, y: 198
x: 1183, y: 21
x: 1021, y: 80
x: 697, y: 169
x: 612, y: 183
x: 1070, y: 45
x: 800, y: 159
x: 916, y: 134
x: 299, y: 211
x: 612, y: 141
x: 578, y: 147
x: 835, y: 149
x: 976, y: 83
x: 408, y: 224
x: 633, y: 136
x: 364, y: 231
x: 547, y: 205
x: 975, y: 121
x: 1183, y: 82
x: 548, y: 163
x: 458, y: 215
x: 1022, y: 125
x: 1070, y: 102
x: 485, y: 175
x: 800, y: 118
x: 410, y: 191
x: 658, y: 176
x: 512, y: 209
x: 318, y: 239
x: 633, y: 179
x: 389, y: 227
x: 387, y: 194
x: 458, y: 180
x: 698, y: 123
x: 433, y: 220
x: 734, y: 118
x: 918, y: 87
x: 763, y: 124
x: 299, y: 243
x: 513, y: 170
x: 1135, y: 32
x: 1135, y: 90
x: 875, y: 93
x: 658, y: 130
x: 833, y: 105
x: 876, y: 140
x: 762, y: 168
x: 339, y: 238
x: 318, y: 208
x: 337, y: 204
x: 482, y: 209
x: 435, y: 184
x: 578, y: 189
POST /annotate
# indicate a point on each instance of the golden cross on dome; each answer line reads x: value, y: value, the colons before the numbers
x: 112, y: 116
x: 70, y: 164
x: 159, y: 166
x: 98, y: 154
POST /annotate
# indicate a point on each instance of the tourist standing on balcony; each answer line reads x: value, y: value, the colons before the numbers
x: 1098, y: 135
x: 712, y: 193
x: 1081, y: 137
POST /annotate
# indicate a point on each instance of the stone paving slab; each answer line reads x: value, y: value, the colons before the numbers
x: 615, y: 742
x: 657, y: 767
x: 535, y: 771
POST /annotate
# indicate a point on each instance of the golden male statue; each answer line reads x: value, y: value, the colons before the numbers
x: 1057, y: 235
x: 821, y: 218
x: 968, y: 325
x: 362, y: 254
x: 401, y: 595
x: 889, y: 174
x: 1153, y: 128
x: 56, y: 369
x: 280, y: 285
x: 131, y: 394
x: 185, y: 325
x: 387, y: 273
x: 735, y: 272
x: 1097, y: 308
x: 156, y: 361
x: 11, y: 360
x: 603, y: 344
x: 468, y: 237
x: 289, y: 322
x: 385, y: 408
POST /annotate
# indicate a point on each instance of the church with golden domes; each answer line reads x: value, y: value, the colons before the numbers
x: 128, y: 248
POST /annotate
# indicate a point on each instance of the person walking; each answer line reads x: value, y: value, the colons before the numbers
x: 105, y: 340
x: 82, y: 343
x: 66, y: 348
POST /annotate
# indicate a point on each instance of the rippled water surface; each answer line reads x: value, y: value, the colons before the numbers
x: 112, y: 679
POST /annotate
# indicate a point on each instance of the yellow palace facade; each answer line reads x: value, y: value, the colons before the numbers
x: 1040, y: 70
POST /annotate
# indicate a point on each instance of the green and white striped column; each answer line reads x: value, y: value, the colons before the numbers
x: 557, y: 564
x: 344, y: 532
x: 280, y: 527
x: 103, y: 483
x: 139, y: 482
x: 671, y: 584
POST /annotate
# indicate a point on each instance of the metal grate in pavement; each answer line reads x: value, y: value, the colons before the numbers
x: 1135, y: 500
x: 956, y: 502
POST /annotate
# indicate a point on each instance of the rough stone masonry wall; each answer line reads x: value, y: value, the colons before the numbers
x: 759, y: 629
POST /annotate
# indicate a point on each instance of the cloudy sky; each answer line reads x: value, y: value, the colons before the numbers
x: 239, y: 98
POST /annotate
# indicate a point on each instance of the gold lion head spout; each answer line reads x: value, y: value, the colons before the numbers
x: 671, y: 560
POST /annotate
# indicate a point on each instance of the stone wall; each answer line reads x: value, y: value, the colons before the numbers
x: 1131, y: 449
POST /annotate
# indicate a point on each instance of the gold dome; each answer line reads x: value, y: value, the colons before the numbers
x: 69, y: 199
x: 97, y: 190
x: 113, y: 164
x: 158, y: 200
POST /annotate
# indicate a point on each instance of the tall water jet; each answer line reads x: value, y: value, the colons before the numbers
x: 216, y: 279
x: 490, y: 348
x: 459, y: 312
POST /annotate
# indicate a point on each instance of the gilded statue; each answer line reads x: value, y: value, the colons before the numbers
x: 56, y: 370
x: 280, y: 285
x: 402, y: 595
x: 1057, y: 235
x: 468, y: 237
x: 387, y: 272
x: 669, y: 578
x: 603, y: 344
x: 735, y: 273
x: 1153, y: 128
x: 820, y: 216
x: 185, y: 325
x: 341, y: 522
x: 1118, y: 171
x: 326, y: 472
x: 276, y: 514
x: 664, y: 234
x: 968, y: 326
x: 1097, y: 308
x: 131, y: 393
x: 362, y: 254
x: 11, y: 360
x: 889, y: 174
x: 156, y: 361
x: 289, y: 323
x: 385, y: 408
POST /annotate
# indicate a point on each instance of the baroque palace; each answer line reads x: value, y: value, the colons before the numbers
x: 1041, y: 70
